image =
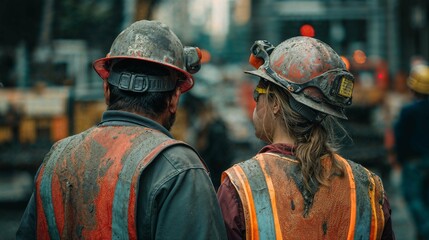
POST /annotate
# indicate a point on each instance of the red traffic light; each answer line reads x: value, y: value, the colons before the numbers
x: 307, y: 30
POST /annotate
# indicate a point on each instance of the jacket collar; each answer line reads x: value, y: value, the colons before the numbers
x: 123, y: 118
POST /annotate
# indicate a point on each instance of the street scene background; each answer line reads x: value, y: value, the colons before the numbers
x: 49, y: 89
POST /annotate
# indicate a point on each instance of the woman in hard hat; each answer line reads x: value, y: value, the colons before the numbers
x: 298, y: 186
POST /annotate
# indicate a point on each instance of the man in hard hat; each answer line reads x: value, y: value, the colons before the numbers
x: 298, y: 186
x: 412, y: 148
x: 127, y: 178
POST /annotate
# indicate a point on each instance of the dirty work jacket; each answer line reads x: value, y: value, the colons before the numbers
x: 101, y: 188
x: 273, y: 205
x: 411, y: 132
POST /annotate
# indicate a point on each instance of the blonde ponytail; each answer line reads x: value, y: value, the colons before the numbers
x: 314, y: 142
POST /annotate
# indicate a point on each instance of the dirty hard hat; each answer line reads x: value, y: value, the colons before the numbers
x: 419, y: 79
x: 153, y: 41
x: 311, y: 72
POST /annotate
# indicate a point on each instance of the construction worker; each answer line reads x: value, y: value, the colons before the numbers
x: 297, y: 186
x: 411, y: 132
x: 127, y: 178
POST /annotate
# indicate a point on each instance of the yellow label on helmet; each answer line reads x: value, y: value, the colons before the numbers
x: 346, y: 87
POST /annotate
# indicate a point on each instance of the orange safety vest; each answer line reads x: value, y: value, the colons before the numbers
x: 87, y: 186
x: 274, y: 206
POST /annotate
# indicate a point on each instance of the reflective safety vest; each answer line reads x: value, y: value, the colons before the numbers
x: 87, y: 185
x: 274, y: 205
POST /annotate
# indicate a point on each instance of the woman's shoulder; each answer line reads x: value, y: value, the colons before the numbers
x: 363, y: 175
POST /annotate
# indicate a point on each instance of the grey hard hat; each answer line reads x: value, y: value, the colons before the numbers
x: 153, y: 41
x: 309, y: 69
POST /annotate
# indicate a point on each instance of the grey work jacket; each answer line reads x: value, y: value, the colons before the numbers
x: 176, y: 199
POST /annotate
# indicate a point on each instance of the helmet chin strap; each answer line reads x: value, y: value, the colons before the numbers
x: 307, y: 112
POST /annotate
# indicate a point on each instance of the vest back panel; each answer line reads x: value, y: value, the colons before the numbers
x: 276, y: 206
x: 87, y: 185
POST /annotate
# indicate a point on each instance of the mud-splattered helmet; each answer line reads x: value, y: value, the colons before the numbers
x: 311, y: 71
x: 153, y: 41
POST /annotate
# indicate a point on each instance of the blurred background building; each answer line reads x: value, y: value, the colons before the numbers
x: 50, y: 90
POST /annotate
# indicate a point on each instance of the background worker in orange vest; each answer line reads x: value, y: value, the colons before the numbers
x: 127, y: 178
x: 412, y: 149
x: 297, y: 186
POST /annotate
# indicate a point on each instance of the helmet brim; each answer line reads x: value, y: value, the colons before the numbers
x: 185, y: 84
x: 321, y: 107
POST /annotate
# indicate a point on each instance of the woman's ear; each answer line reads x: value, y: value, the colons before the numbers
x: 276, y: 106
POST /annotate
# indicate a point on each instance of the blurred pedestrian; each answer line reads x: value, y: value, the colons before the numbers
x: 393, y: 101
x: 412, y: 148
x: 13, y: 119
x: 207, y: 128
x: 297, y: 186
x: 212, y: 139
x: 127, y: 178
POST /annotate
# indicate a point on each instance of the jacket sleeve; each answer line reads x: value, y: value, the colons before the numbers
x: 388, y: 233
x: 401, y: 134
x: 182, y: 201
x: 191, y: 210
x: 232, y: 210
x: 27, y: 228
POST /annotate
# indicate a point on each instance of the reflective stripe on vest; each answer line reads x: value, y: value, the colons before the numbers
x: 114, y: 158
x: 261, y: 199
x: 45, y: 188
x: 125, y: 192
x: 265, y: 192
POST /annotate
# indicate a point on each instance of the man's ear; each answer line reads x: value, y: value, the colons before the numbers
x: 106, y: 92
x: 174, y: 101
